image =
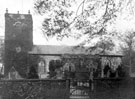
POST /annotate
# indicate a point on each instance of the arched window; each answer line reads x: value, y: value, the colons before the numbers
x: 41, y: 67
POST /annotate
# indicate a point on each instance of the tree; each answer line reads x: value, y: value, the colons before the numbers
x: 1, y: 48
x: 127, y: 47
x: 103, y: 46
x: 32, y: 73
x: 80, y: 18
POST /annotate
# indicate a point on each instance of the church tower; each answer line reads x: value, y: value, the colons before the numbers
x: 18, y: 42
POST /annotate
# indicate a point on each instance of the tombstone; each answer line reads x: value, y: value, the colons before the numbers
x: 13, y: 74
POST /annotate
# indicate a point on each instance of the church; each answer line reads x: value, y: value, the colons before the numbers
x: 20, y: 53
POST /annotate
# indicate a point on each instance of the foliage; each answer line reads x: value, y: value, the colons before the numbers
x: 32, y: 73
x: 86, y: 19
x: 102, y: 46
x: 127, y: 48
x: 33, y: 89
x: 2, y: 50
x: 53, y: 66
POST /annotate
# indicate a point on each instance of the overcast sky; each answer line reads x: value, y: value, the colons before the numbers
x: 24, y: 5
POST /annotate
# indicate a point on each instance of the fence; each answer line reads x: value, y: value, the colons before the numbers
x: 68, y: 89
x: 34, y: 89
x: 103, y: 88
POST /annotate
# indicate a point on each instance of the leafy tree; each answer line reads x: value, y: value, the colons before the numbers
x: 53, y: 66
x: 1, y: 49
x: 103, y: 46
x: 127, y: 47
x: 80, y: 18
x: 32, y: 73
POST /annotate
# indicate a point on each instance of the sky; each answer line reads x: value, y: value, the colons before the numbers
x: 24, y: 5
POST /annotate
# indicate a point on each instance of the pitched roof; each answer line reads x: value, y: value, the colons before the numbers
x: 55, y: 49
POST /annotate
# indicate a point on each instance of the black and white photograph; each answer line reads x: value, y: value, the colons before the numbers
x: 67, y: 49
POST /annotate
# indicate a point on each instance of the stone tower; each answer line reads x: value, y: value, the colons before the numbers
x: 18, y: 42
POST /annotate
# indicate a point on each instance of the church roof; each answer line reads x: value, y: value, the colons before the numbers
x: 56, y: 49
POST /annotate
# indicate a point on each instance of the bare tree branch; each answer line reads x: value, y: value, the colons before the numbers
x: 82, y: 3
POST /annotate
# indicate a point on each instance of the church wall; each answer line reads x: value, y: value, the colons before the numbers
x: 47, y: 60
